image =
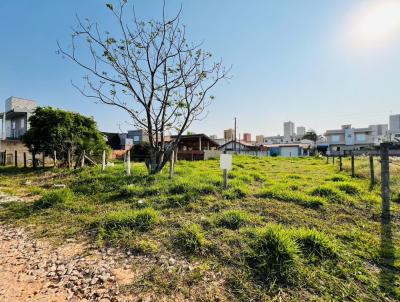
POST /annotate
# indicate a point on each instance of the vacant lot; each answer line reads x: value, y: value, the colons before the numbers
x: 295, y: 229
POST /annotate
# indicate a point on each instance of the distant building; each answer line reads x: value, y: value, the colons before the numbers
x: 379, y: 133
x: 348, y: 138
x: 213, y: 136
x: 394, y: 123
x: 238, y: 146
x: 15, y: 118
x: 289, y: 150
x: 135, y: 137
x: 260, y: 139
x: 300, y: 131
x: 229, y: 134
x: 247, y: 137
x: 288, y: 129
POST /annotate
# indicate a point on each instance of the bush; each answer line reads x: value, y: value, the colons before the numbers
x: 328, y: 192
x: 141, y: 220
x: 315, y: 243
x: 53, y: 198
x: 190, y: 239
x: 348, y: 188
x: 233, y: 219
x: 273, y: 255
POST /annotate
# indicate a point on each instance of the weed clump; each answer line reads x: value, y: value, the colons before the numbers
x: 328, y: 192
x: 273, y: 255
x: 236, y: 192
x: 349, y: 188
x: 52, y: 198
x: 315, y: 243
x: 233, y: 219
x: 190, y: 239
x: 285, y: 194
x: 141, y: 220
x: 337, y: 178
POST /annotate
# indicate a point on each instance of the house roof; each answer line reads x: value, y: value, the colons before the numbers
x: 192, y: 138
x: 304, y: 146
x: 342, y: 131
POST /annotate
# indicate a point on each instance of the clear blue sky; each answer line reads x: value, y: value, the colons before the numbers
x: 305, y: 61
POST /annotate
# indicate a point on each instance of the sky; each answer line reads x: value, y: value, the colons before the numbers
x: 317, y: 63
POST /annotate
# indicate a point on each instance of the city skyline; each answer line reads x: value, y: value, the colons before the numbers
x: 290, y: 62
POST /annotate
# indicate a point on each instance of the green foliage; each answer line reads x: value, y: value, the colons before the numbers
x: 58, y: 130
x: 310, y: 135
x: 142, y: 220
x: 233, y: 219
x: 315, y: 243
x: 337, y: 178
x: 190, y: 239
x: 140, y: 152
x: 52, y: 198
x: 273, y: 255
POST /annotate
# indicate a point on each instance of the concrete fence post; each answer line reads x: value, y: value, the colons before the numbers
x: 371, y: 169
x: 171, y: 165
x: 69, y: 158
x: 55, y: 158
x: 128, y: 161
x: 384, y: 152
x: 83, y: 159
x: 103, y: 161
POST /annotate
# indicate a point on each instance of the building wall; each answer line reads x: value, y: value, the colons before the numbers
x: 19, y: 105
x: 10, y: 147
x: 288, y: 129
x: 247, y: 137
x: 229, y: 134
x: 260, y: 139
x: 300, y: 131
x: 138, y: 136
x: 394, y: 122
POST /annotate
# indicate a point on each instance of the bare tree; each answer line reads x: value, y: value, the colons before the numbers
x: 149, y: 70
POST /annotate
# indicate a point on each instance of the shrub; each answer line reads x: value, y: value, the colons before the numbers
x: 233, y: 219
x: 141, y: 220
x: 190, y: 239
x: 348, y: 188
x: 285, y: 194
x: 328, y: 192
x: 315, y: 243
x: 273, y: 255
x: 53, y: 198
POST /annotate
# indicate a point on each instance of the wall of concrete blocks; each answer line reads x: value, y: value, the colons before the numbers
x: 11, y: 146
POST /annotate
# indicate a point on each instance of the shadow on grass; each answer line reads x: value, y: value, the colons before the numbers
x: 388, y: 273
x: 16, y: 210
x: 11, y: 170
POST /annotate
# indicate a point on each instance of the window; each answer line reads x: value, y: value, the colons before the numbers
x: 361, y: 137
x: 136, y: 138
x: 22, y: 123
x: 335, y: 138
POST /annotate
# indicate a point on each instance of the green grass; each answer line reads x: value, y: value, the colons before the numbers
x: 291, y: 229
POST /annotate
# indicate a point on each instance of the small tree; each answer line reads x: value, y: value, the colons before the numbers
x: 311, y: 135
x: 151, y: 71
x: 62, y: 131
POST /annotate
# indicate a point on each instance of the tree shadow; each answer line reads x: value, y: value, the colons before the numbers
x: 388, y: 273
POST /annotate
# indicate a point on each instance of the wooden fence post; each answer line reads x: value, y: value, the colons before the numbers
x: 225, y: 179
x: 333, y: 160
x: 69, y: 158
x: 171, y: 165
x: 371, y: 169
x: 103, y: 161
x: 24, y: 159
x: 43, y: 158
x: 340, y: 163
x: 33, y: 160
x: 385, y: 181
x: 16, y: 158
x: 128, y: 161
x: 353, y: 173
x: 5, y: 157
x: 327, y: 159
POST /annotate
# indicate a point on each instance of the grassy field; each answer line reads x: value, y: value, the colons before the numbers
x: 290, y: 229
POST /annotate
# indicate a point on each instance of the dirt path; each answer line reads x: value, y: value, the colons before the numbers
x: 32, y: 270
